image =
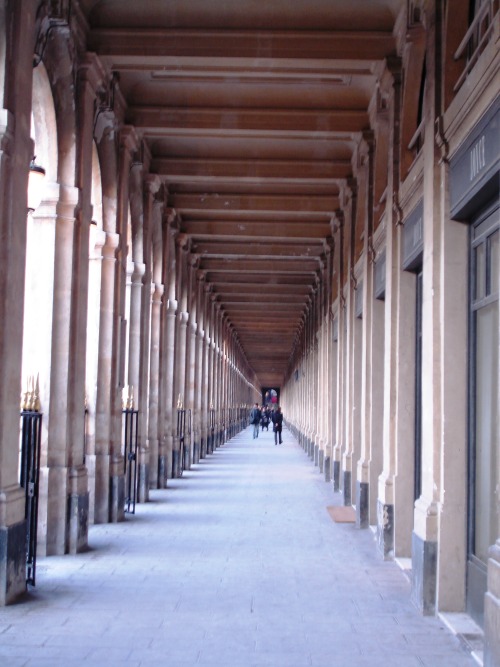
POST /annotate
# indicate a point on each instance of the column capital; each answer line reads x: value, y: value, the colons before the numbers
x: 183, y: 241
x: 92, y: 72
x: 152, y: 183
x: 111, y: 243
x: 139, y: 269
x: 183, y: 318
x: 171, y: 216
x: 157, y: 289
x: 172, y: 306
x: 129, y: 139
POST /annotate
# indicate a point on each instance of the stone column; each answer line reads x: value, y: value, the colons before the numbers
x: 200, y: 424
x: 339, y: 361
x: 214, y: 372
x: 170, y: 310
x: 179, y: 377
x: 154, y: 382
x: 58, y: 436
x: 351, y: 349
x: 151, y: 186
x: 428, y: 507
x: 91, y: 76
x: 329, y: 375
x: 97, y: 240
x: 104, y: 389
x: 206, y: 377
x: 190, y: 372
x: 365, y: 172
x: 16, y: 149
x: 396, y: 482
x: 155, y: 431
x: 110, y: 485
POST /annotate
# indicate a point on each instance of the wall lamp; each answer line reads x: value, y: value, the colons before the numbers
x: 35, y: 185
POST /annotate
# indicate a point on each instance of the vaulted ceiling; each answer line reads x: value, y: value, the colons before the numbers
x: 251, y: 110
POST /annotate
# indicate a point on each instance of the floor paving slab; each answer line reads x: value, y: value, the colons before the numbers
x: 236, y: 564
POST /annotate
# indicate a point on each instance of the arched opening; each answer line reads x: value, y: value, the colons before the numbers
x: 39, y: 277
x: 96, y: 242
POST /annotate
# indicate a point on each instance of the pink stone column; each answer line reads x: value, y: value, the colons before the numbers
x: 170, y: 312
x: 154, y: 385
x: 103, y: 470
x: 15, y: 154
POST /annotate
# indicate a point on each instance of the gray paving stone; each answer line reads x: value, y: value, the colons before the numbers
x: 236, y: 564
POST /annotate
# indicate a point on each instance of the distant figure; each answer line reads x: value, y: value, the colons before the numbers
x: 277, y: 418
x: 255, y: 419
x: 264, y: 419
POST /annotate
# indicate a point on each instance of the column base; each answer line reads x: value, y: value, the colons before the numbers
x: 424, y: 574
x: 143, y: 483
x: 385, y: 529
x: 77, y: 516
x: 347, y: 488
x: 492, y: 610
x: 196, y: 452
x: 162, y: 472
x: 362, y: 504
x: 12, y: 562
x: 187, y: 458
x: 203, y: 447
x: 78, y: 512
x: 176, y: 468
x: 327, y: 468
x: 316, y: 454
x: 117, y: 498
x: 336, y: 476
x: 321, y: 459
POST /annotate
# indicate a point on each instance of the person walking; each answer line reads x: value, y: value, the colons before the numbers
x: 277, y: 418
x: 255, y: 419
x: 264, y: 420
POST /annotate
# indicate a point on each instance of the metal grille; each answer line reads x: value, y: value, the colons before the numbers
x: 31, y: 432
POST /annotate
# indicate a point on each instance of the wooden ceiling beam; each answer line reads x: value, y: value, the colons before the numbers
x: 230, y: 289
x: 303, y: 230
x: 278, y: 265
x: 263, y: 203
x: 179, y: 169
x: 160, y: 120
x: 260, y: 278
x: 123, y: 43
x: 258, y: 248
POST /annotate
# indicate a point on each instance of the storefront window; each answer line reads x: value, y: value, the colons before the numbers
x: 485, y: 342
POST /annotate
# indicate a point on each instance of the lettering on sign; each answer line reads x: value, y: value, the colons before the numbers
x: 477, y: 157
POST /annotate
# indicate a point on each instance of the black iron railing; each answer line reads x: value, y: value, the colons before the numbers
x: 181, y: 436
x: 212, y: 430
x: 130, y: 441
x: 31, y: 434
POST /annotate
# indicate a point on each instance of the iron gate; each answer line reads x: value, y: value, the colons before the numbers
x: 130, y: 431
x: 31, y: 435
x: 181, y: 435
x: 212, y: 431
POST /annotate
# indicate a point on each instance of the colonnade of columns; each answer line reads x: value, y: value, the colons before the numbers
x: 377, y: 387
x: 121, y: 312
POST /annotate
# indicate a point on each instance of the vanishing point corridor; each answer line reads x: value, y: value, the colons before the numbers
x: 237, y: 564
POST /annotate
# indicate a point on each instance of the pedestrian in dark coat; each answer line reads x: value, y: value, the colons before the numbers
x: 277, y: 418
x: 264, y: 420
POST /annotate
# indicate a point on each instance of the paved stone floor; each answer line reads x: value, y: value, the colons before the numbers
x: 237, y: 564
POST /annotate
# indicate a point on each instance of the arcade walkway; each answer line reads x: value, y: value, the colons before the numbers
x: 237, y: 564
